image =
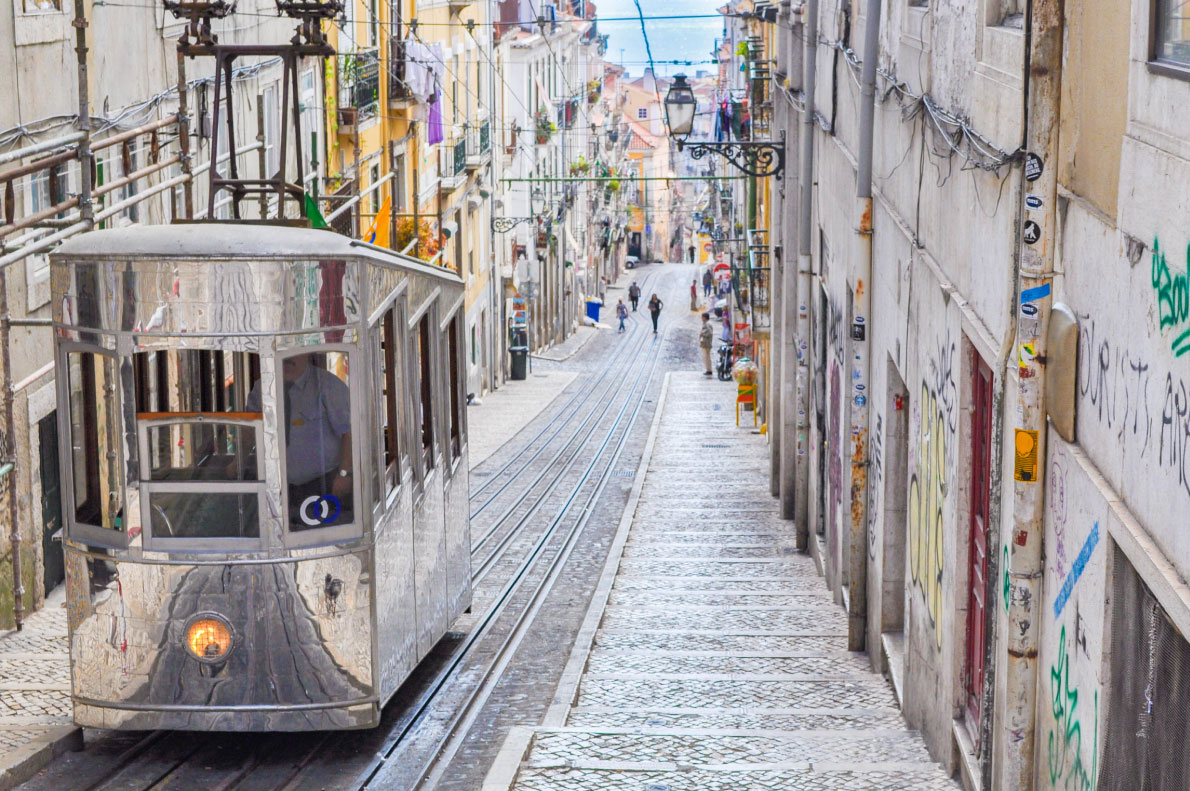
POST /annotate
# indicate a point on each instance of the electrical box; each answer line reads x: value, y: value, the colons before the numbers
x: 1061, y: 370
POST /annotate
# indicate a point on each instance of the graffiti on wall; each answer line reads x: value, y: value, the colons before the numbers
x: 1057, y: 506
x: 1149, y: 413
x: 875, y: 491
x: 835, y: 462
x: 1076, y: 571
x: 1064, y: 749
x: 942, y: 381
x: 927, y: 493
x: 1173, y: 299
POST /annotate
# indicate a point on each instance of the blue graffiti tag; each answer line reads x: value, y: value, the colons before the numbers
x: 1076, y: 570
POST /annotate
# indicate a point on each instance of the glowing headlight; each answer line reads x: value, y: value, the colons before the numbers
x: 209, y: 638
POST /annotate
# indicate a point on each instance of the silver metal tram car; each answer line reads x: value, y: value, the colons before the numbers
x: 266, y: 478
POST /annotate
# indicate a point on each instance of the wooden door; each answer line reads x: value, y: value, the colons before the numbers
x: 977, y: 556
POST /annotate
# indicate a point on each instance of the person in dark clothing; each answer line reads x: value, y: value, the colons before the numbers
x: 708, y: 282
x: 634, y: 295
x: 655, y: 306
x: 690, y: 250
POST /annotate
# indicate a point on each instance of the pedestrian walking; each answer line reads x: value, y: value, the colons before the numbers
x: 622, y: 314
x: 708, y: 282
x: 634, y: 295
x: 706, y: 337
x: 655, y: 306
x: 694, y: 294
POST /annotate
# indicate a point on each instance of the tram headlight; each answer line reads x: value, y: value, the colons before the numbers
x: 209, y: 637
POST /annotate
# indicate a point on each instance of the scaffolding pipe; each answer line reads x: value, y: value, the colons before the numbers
x: 40, y: 148
x: 356, y: 198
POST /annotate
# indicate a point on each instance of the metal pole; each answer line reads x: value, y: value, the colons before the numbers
x: 262, y: 156
x: 392, y: 195
x: 861, y: 313
x: 9, y: 457
x: 85, y: 157
x: 805, y: 234
x: 1042, y: 89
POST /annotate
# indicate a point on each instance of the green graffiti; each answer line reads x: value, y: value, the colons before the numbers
x: 1065, y: 747
x: 1007, y: 584
x: 1173, y: 298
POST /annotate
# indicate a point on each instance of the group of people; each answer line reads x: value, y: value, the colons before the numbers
x: 655, y: 305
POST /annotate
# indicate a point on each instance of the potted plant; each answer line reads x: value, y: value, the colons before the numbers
x: 580, y: 167
x: 544, y: 128
x: 594, y: 87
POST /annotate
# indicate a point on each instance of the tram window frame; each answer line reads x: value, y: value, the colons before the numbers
x: 201, y: 396
x: 423, y: 361
x: 114, y: 535
x: 314, y: 536
x: 455, y: 384
x: 388, y: 413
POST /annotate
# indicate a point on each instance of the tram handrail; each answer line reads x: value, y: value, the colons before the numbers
x: 372, y: 188
x: 212, y: 415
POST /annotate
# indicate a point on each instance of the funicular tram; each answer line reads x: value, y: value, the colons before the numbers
x: 266, y: 479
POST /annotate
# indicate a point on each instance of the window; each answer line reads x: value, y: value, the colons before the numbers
x: 311, y: 121
x: 1147, y: 691
x: 374, y: 199
x: 425, y: 391
x: 95, y: 452
x: 398, y: 188
x: 456, y: 386
x: 42, y: 6
x: 316, y: 433
x: 642, y: 112
x: 272, y: 134
x: 197, y: 427
x: 389, y: 418
x: 1171, y: 32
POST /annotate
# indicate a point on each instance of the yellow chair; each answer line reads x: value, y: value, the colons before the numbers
x: 745, y: 394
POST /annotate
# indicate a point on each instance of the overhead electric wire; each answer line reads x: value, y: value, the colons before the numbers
x: 652, y: 66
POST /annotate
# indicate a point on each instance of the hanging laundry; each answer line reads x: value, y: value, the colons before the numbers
x: 434, y: 126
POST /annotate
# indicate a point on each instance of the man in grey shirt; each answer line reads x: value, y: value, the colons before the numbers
x: 316, y: 421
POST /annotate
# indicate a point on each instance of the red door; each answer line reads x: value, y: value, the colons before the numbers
x: 977, y: 583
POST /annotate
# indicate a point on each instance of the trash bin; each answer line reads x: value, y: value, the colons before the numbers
x: 520, y: 360
x: 593, y: 306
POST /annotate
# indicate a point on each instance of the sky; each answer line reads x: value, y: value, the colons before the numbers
x: 670, y: 39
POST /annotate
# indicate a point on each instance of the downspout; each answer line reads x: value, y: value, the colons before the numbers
x: 861, y: 327
x: 805, y: 235
x: 1035, y: 246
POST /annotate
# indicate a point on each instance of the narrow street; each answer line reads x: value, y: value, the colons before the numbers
x: 713, y: 656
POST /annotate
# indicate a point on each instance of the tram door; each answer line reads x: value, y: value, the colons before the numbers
x: 51, y: 501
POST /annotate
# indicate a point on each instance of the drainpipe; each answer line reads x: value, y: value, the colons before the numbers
x: 861, y: 314
x: 805, y: 235
x: 1038, y: 236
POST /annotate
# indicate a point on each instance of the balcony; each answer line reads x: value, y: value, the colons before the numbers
x: 758, y: 283
x: 399, y: 96
x: 452, y: 171
x: 359, y: 89
x: 479, y: 146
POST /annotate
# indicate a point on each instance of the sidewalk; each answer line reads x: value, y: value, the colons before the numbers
x: 506, y: 411
x: 35, y: 712
x: 713, y: 656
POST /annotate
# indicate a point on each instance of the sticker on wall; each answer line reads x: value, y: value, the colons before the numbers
x: 1028, y: 352
x: 1033, y: 201
x: 858, y: 332
x: 1033, y: 167
x: 1030, y: 322
x: 1025, y: 464
x: 1032, y: 232
x: 860, y: 400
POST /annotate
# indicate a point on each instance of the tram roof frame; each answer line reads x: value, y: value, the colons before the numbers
x: 222, y: 241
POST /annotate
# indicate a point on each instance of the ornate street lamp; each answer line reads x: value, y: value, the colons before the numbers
x: 756, y: 158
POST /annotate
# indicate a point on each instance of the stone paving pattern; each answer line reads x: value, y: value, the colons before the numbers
x: 35, y: 676
x: 720, y: 661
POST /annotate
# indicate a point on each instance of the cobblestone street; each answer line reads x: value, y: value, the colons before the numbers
x: 713, y: 656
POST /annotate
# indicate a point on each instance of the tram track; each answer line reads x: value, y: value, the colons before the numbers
x: 579, y: 398
x: 164, y: 760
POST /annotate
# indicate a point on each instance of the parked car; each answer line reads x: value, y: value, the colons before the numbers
x: 630, y: 262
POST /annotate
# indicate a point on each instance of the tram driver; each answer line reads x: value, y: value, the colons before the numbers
x: 317, y: 435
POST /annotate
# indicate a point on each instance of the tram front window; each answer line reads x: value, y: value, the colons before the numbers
x: 94, y: 439
x: 316, y: 433
x: 198, y: 442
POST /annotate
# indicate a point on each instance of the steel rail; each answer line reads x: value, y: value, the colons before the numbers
x: 577, y: 399
x: 497, y: 553
x: 510, y: 643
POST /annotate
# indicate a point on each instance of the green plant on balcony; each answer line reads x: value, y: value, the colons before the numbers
x: 543, y: 127
x: 594, y: 89
x: 580, y: 167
